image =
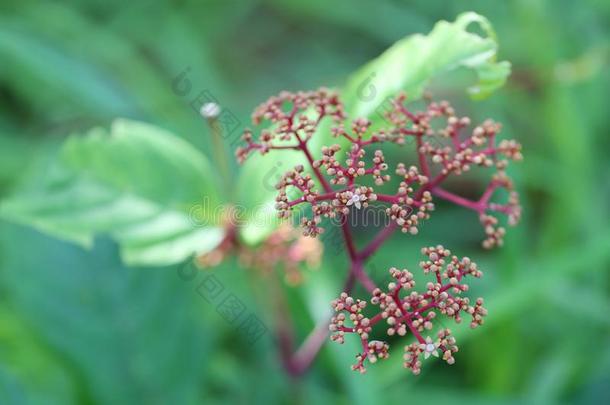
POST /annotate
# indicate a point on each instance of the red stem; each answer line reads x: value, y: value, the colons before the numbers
x: 423, y: 162
x: 456, y: 199
x: 322, y: 179
x: 377, y: 241
x: 300, y: 361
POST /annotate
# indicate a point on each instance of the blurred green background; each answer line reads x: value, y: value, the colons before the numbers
x: 78, y: 327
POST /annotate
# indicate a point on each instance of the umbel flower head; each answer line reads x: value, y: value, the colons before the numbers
x: 404, y: 310
x: 351, y: 174
x: 445, y: 147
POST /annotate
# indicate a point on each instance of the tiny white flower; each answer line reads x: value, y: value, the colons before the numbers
x: 429, y: 348
x: 356, y: 200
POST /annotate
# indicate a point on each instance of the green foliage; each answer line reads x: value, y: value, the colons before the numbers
x: 79, y: 327
x: 412, y: 62
x: 29, y: 371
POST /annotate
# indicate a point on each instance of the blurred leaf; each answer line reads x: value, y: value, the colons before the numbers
x: 133, y: 336
x: 29, y: 372
x: 35, y: 63
x: 386, y: 21
x: 256, y: 193
x: 149, y: 189
x: 14, y: 154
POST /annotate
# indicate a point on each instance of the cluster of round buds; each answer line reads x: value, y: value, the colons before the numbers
x: 284, y: 250
x: 297, y: 180
x: 353, y: 308
x: 283, y: 107
x: 447, y: 345
x: 350, y: 310
x: 379, y: 165
x: 300, y: 181
x: 373, y: 351
x: 403, y: 209
x: 445, y: 267
x: 391, y: 309
x: 332, y: 165
x: 411, y: 358
x: 456, y: 162
x: 410, y: 177
x: 447, y: 145
x: 354, y: 166
x: 478, y: 149
x: 405, y: 310
x: 494, y: 232
x: 293, y: 116
x: 408, y: 219
x: 407, y: 123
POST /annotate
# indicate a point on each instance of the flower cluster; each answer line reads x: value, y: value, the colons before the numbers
x: 404, y: 310
x: 294, y: 117
x: 334, y: 186
x: 351, y: 173
x: 454, y: 151
x: 351, y: 310
x: 285, y: 250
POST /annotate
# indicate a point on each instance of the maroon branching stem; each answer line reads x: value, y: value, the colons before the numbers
x: 456, y: 199
x: 303, y: 147
x: 297, y: 362
x: 377, y: 241
x: 349, y: 241
x: 300, y: 361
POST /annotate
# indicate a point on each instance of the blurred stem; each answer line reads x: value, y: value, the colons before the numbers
x: 297, y: 362
x: 377, y: 241
x: 220, y: 155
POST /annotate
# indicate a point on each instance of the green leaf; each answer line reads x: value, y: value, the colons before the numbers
x: 147, y: 188
x: 256, y: 193
x: 123, y: 334
x: 412, y: 62
x: 407, y: 65
x: 29, y: 371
